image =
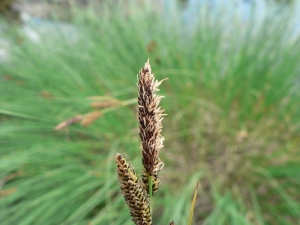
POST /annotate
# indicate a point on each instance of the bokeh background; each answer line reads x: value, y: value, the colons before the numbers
x: 232, y: 100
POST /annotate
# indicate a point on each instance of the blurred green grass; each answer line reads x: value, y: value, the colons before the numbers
x: 232, y: 124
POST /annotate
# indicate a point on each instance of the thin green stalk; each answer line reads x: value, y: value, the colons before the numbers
x: 122, y: 104
x: 150, y: 186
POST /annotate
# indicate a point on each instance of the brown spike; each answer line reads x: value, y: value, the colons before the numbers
x: 150, y: 117
x: 135, y: 196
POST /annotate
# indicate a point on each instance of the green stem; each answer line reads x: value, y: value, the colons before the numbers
x: 150, y: 186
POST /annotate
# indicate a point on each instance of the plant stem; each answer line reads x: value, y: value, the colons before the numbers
x: 150, y: 186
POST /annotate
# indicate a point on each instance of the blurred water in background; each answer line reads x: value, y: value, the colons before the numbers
x: 244, y: 11
x: 241, y: 12
x: 247, y: 11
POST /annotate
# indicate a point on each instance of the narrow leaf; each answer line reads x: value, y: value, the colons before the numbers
x: 193, y: 206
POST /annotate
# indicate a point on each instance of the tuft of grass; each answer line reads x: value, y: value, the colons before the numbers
x: 232, y: 94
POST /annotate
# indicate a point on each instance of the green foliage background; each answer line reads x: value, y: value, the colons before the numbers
x: 232, y: 124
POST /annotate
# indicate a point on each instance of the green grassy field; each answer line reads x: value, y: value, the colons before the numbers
x: 233, y: 119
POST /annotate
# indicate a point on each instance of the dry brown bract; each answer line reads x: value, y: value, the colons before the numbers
x: 69, y: 122
x: 104, y: 104
x: 90, y: 118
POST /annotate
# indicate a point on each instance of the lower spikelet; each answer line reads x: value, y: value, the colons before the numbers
x: 155, y: 183
x: 135, y: 196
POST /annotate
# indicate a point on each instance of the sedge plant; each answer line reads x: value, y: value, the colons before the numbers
x: 233, y: 96
x: 138, y: 192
